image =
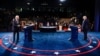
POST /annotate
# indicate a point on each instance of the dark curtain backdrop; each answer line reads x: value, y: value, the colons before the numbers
x: 97, y: 16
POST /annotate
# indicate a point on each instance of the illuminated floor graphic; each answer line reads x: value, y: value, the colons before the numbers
x: 50, y: 44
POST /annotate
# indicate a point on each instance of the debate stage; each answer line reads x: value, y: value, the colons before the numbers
x: 50, y: 44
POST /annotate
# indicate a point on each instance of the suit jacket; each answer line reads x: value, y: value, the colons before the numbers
x: 85, y: 25
x: 15, y: 25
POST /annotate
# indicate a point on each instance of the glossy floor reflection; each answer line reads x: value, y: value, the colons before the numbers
x: 50, y: 44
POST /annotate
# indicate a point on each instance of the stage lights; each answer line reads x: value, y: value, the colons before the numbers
x: 28, y: 3
x: 62, y: 0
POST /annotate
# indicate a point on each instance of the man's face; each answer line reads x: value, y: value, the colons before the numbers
x: 17, y: 17
x: 84, y: 17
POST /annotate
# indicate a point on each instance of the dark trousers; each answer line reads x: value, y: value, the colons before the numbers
x: 16, y: 38
x: 85, y: 34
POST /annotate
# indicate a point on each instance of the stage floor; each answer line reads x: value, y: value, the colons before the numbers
x: 50, y: 44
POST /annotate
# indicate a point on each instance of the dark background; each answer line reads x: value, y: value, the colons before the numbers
x: 50, y: 8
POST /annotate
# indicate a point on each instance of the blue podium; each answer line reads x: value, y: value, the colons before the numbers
x: 74, y: 33
x: 28, y: 32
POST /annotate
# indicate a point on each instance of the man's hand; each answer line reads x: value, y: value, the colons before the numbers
x: 18, y: 25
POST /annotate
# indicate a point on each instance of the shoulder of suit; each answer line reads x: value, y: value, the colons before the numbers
x: 13, y: 18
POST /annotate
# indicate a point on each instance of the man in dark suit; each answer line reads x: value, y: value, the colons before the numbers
x: 16, y: 26
x: 85, y: 25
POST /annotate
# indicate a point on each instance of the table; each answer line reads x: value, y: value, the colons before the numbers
x: 48, y: 29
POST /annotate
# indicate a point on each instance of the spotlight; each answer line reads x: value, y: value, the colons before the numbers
x: 28, y: 3
x: 60, y: 4
x: 62, y: 0
x: 33, y: 9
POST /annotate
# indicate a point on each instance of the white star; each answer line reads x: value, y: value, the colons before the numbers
x: 90, y: 46
x: 33, y: 52
x: 92, y: 37
x: 6, y: 43
x: 6, y: 38
x: 57, y: 53
x: 77, y: 50
x: 15, y: 48
x: 94, y: 42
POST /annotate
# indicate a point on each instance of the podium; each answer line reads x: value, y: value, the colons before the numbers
x: 28, y: 32
x: 74, y: 33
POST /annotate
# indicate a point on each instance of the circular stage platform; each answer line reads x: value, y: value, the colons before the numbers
x: 67, y: 48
